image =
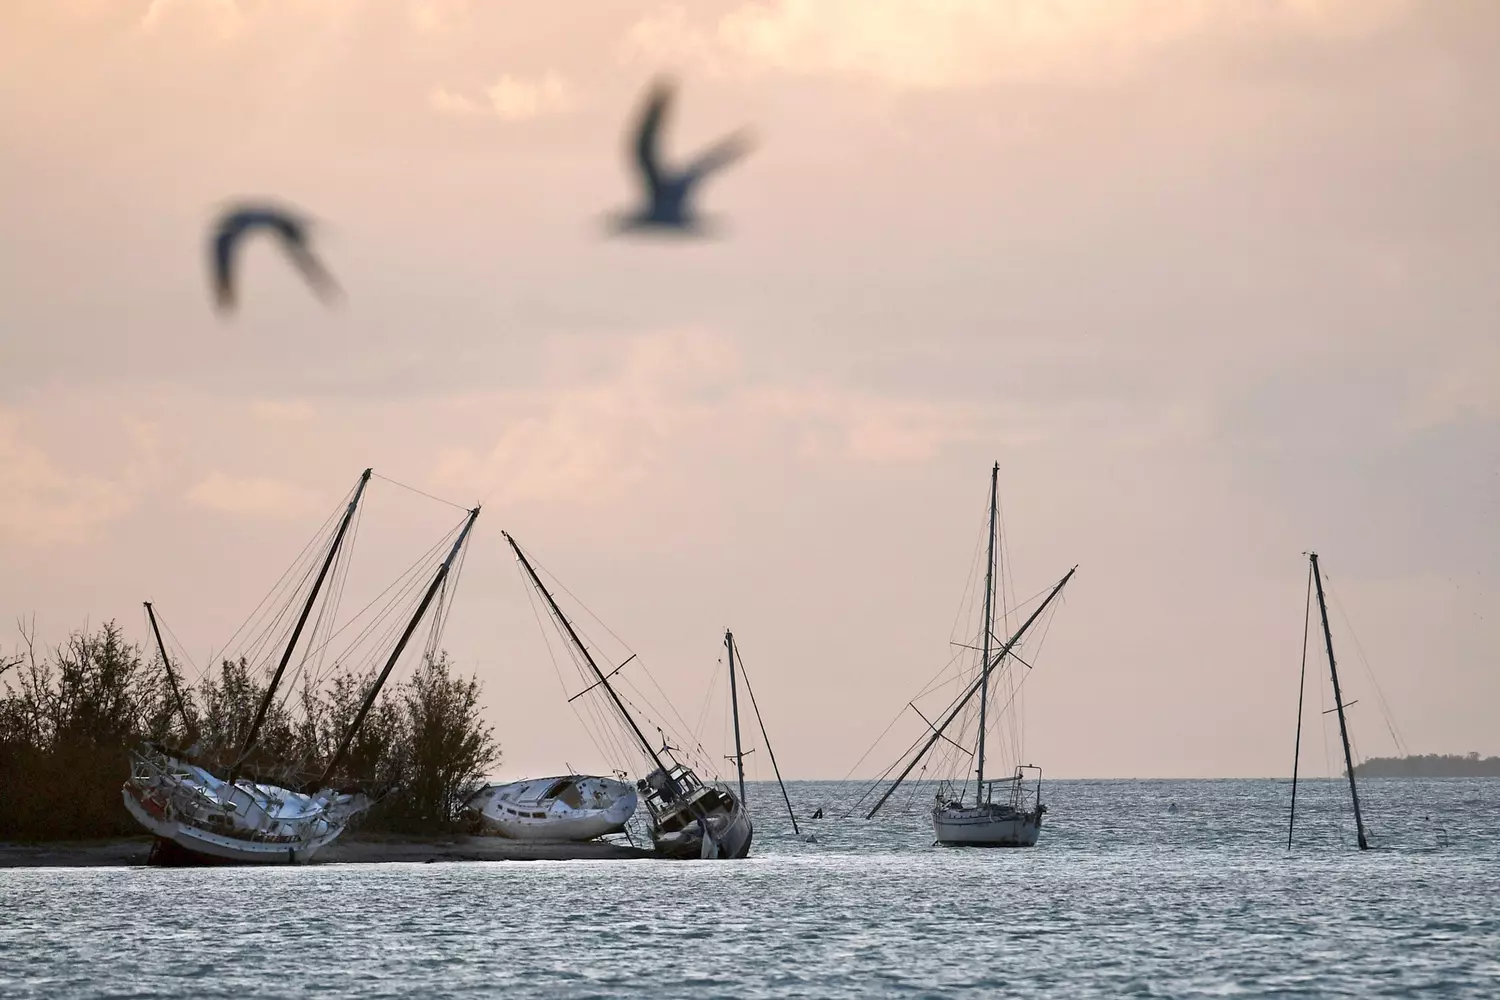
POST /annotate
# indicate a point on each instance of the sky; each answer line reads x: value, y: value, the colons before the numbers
x: 1215, y: 284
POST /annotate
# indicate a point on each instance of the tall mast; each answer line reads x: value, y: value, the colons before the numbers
x: 187, y: 724
x: 734, y: 702
x: 1338, y: 701
x: 286, y: 656
x: 989, y: 612
x: 769, y: 752
x: 411, y: 626
x: 1301, y: 690
x: 963, y: 700
x: 587, y: 656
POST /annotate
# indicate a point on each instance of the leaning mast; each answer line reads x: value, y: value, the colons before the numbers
x: 187, y: 723
x: 937, y: 731
x: 1338, y: 701
x: 588, y: 657
x: 390, y: 663
x: 307, y: 606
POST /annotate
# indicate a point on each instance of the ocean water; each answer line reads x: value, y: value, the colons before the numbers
x: 1122, y: 898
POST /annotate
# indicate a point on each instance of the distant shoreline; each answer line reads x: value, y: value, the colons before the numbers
x: 125, y: 852
x: 1430, y: 766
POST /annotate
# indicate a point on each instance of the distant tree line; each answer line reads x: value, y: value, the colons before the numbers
x: 69, y: 719
x: 1430, y: 766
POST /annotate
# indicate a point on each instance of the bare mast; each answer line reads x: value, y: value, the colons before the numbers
x: 937, y: 731
x: 734, y: 702
x: 411, y: 626
x: 187, y: 723
x: 589, y: 658
x: 1338, y: 701
x: 989, y: 613
x: 765, y: 736
x: 312, y: 597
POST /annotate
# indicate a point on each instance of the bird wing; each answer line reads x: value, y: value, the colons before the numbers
x: 647, y: 147
x: 721, y: 154
x: 236, y: 223
x: 221, y: 260
x: 314, y: 272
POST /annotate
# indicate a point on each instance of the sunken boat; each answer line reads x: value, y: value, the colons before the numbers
x: 686, y: 816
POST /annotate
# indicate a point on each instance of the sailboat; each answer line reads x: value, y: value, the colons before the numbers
x: 199, y: 813
x: 1315, y: 581
x: 571, y: 807
x: 687, y: 817
x: 1013, y: 818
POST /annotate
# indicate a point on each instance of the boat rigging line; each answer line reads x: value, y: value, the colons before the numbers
x: 1301, y: 690
x: 729, y: 641
x: 416, y: 619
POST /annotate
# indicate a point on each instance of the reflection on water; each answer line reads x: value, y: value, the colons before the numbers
x: 1123, y: 897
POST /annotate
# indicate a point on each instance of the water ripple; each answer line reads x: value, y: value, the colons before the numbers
x: 1121, y: 899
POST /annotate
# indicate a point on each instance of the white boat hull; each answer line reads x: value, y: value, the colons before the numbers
x: 569, y: 808
x: 241, y: 823
x: 221, y: 848
x: 986, y: 826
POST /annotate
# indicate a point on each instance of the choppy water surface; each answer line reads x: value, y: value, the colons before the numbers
x: 1121, y: 898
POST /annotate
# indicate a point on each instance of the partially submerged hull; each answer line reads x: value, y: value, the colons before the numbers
x: 730, y: 835
x: 208, y: 819
x: 681, y: 807
x: 990, y: 825
x: 569, y: 808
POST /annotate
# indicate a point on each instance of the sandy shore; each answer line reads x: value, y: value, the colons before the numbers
x: 368, y: 849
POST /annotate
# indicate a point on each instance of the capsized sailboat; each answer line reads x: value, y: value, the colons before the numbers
x: 686, y: 817
x: 1012, y: 818
x: 572, y: 807
x: 201, y: 813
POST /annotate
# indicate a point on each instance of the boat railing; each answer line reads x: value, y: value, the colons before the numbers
x: 188, y: 800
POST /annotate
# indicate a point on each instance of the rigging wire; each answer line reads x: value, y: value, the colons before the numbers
x: 280, y: 583
x: 680, y: 724
x: 413, y: 489
x: 531, y: 599
x: 1385, y: 709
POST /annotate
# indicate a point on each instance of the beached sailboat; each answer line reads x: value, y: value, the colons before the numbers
x: 572, y: 807
x: 1315, y: 581
x: 201, y: 813
x: 1012, y: 818
x: 687, y: 817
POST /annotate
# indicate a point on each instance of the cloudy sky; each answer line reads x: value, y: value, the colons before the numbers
x: 1215, y: 283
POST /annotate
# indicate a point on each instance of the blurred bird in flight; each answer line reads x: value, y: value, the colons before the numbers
x: 237, y: 222
x: 669, y: 192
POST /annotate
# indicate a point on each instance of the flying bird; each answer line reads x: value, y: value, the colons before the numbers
x: 669, y: 193
x: 289, y: 227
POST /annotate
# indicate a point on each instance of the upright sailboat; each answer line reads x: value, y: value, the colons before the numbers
x: 1315, y: 581
x: 1013, y: 817
x: 204, y: 811
x: 688, y: 818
